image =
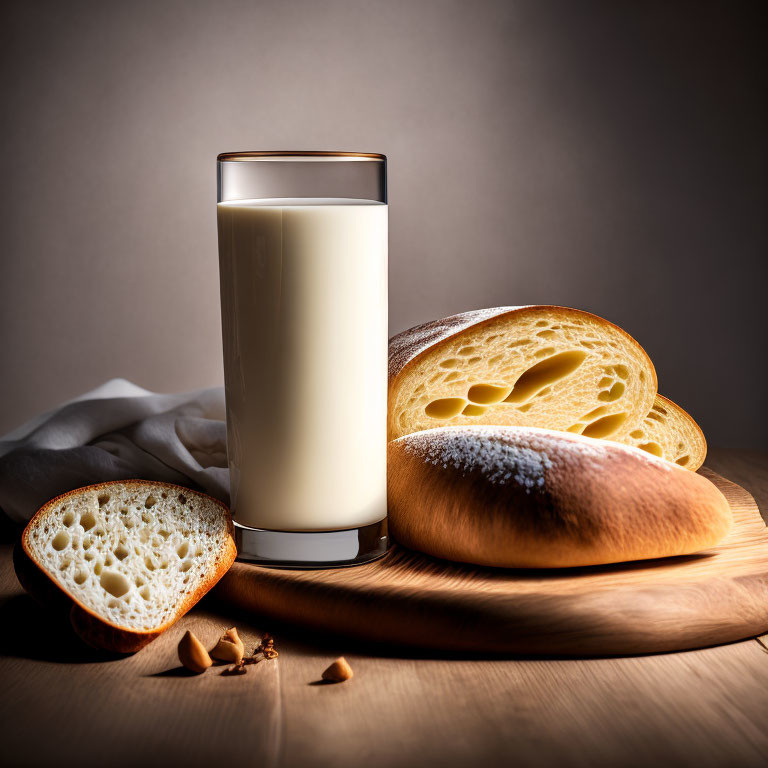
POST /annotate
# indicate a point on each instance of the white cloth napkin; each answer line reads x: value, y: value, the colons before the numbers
x: 118, y: 431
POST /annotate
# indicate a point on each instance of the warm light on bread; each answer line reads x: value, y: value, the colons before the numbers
x: 668, y: 431
x: 133, y: 557
x: 537, y: 366
x: 533, y: 498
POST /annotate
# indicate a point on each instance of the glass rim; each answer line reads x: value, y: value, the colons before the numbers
x: 239, y: 157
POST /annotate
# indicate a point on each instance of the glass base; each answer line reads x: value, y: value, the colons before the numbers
x: 321, y: 549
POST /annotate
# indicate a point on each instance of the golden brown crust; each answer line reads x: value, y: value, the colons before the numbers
x: 533, y: 498
x: 94, y: 630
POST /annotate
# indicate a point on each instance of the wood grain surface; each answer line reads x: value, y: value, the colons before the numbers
x: 718, y: 596
x: 63, y: 705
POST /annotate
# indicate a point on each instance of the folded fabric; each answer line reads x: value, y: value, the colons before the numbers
x: 117, y: 431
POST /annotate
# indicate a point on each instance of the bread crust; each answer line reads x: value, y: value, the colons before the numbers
x: 91, y: 628
x: 526, y: 497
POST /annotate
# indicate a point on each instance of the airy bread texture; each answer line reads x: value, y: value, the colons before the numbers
x: 537, y: 366
x: 133, y: 556
x: 671, y: 433
x: 518, y: 497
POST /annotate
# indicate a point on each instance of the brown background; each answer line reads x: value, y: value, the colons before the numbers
x: 604, y: 155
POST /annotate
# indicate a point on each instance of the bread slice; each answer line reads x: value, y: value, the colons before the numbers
x: 535, y: 366
x: 131, y: 556
x: 670, y: 432
x: 521, y: 497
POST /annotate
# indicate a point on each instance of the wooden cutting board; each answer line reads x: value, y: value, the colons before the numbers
x: 405, y: 598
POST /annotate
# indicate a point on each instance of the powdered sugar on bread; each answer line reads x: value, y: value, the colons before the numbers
x: 497, y: 457
x: 528, y: 497
x: 503, y: 454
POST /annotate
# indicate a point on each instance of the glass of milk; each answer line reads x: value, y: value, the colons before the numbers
x: 303, y: 271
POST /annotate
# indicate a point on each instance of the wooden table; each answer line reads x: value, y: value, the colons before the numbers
x: 62, y: 705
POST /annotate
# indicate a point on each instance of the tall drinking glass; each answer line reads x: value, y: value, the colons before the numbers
x: 303, y: 269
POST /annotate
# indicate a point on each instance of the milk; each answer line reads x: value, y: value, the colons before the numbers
x: 304, y: 317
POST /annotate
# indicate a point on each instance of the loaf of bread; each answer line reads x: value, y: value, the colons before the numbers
x: 127, y: 559
x: 521, y: 497
x: 668, y: 431
x: 535, y: 366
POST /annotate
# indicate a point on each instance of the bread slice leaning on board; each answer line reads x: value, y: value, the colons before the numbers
x: 522, y: 497
x: 536, y: 366
x: 671, y: 433
x: 127, y: 559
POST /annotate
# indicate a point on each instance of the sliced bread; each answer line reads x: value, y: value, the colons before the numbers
x: 535, y: 366
x: 670, y: 432
x: 534, y: 498
x: 128, y: 557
